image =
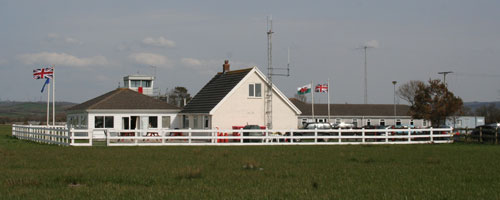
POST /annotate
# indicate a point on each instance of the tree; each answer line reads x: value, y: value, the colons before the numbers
x: 179, y: 96
x: 434, y: 102
x: 490, y: 112
x: 408, y: 90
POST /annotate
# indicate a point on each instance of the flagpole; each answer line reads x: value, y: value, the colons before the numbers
x: 53, y: 96
x: 312, y: 99
x: 328, y: 92
x: 48, y: 104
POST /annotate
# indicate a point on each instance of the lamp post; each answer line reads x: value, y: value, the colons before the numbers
x: 394, y: 83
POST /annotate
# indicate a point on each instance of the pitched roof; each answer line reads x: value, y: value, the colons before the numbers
x: 352, y: 109
x: 214, y: 91
x: 123, y: 98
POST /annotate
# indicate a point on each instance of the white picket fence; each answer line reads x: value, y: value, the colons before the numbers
x: 191, y: 137
x: 59, y: 135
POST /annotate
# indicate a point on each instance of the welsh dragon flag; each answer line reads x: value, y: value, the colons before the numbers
x: 304, y: 89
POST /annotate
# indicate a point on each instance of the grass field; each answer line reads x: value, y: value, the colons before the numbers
x: 453, y: 171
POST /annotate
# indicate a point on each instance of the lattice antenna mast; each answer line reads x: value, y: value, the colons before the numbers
x: 270, y: 74
x: 269, y: 91
x: 366, y: 74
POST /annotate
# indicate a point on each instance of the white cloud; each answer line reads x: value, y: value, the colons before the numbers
x: 212, y: 66
x: 191, y: 62
x: 62, y: 59
x: 158, y: 42
x: 150, y: 59
x: 56, y: 38
x: 371, y: 44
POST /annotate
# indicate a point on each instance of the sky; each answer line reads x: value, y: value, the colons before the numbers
x: 93, y: 44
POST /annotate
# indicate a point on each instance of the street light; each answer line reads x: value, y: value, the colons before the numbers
x: 394, y: 83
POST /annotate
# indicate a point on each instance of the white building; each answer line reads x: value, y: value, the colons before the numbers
x: 140, y: 83
x: 236, y: 98
x: 359, y: 114
x: 122, y: 109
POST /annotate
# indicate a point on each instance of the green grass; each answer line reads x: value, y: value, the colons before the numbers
x: 453, y: 171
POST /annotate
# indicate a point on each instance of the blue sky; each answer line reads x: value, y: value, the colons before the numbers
x: 93, y: 44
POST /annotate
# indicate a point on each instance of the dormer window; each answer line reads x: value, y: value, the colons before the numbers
x: 255, y: 90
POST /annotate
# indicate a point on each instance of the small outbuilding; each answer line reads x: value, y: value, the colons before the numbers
x: 123, y: 109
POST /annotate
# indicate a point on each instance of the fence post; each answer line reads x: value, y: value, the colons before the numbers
x: 409, y: 134
x: 13, y: 130
x: 189, y: 135
x: 481, y: 134
x: 71, y: 138
x: 291, y: 136
x: 387, y: 135
x: 340, y: 135
x: 432, y: 135
x: 316, y: 135
x: 240, y: 132
x: 363, y: 134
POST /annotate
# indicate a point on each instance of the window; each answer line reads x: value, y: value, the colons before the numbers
x: 355, y: 122
x: 135, y: 83
x: 255, y: 90
x: 382, y: 122
x: 251, y: 91
x: 125, y: 123
x: 146, y: 83
x: 103, y: 122
x: 165, y: 121
x: 206, y: 122
x: 424, y: 123
x: 108, y: 122
x: 411, y: 122
x: 99, y: 122
x: 185, y: 120
x: 196, y: 125
x: 368, y: 122
x: 258, y: 90
x: 398, y: 122
x: 153, y: 122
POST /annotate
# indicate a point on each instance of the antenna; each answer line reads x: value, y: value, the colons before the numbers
x: 444, y: 75
x: 155, y: 89
x: 270, y: 74
x: 365, y: 47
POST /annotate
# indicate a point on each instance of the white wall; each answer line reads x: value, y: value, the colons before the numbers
x: 239, y: 109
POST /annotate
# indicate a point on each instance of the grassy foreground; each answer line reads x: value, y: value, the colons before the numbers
x: 455, y: 171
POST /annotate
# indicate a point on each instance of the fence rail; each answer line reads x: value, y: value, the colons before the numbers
x: 169, y: 137
x: 59, y: 135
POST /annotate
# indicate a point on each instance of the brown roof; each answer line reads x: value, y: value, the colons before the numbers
x: 352, y: 109
x: 123, y: 98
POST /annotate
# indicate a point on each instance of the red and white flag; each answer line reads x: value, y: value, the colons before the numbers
x: 321, y: 88
x: 43, y: 73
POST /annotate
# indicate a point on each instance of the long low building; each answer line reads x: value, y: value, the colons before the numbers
x: 358, y: 114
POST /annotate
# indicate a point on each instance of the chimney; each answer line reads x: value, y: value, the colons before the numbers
x: 225, y: 66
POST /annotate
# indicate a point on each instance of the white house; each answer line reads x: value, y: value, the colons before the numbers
x: 122, y: 109
x: 236, y: 98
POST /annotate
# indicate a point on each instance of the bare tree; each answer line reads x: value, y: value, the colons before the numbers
x: 408, y: 91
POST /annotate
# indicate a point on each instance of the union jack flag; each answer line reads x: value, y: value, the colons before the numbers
x: 43, y: 73
x: 321, y: 88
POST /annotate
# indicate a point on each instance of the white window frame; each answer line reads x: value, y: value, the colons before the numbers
x: 252, y: 87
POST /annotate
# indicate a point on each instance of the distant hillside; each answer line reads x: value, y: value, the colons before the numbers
x: 16, y: 109
x: 474, y: 105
